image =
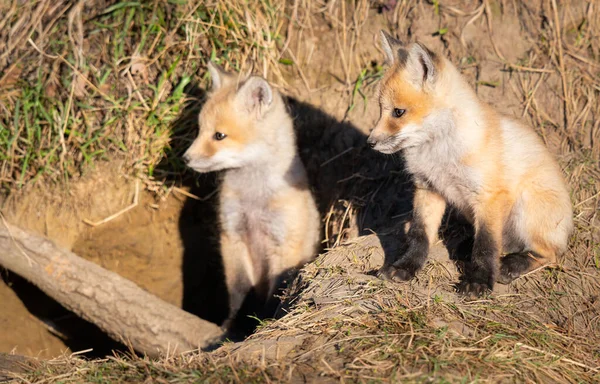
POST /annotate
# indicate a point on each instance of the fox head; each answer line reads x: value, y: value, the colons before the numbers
x: 233, y: 123
x: 406, y: 96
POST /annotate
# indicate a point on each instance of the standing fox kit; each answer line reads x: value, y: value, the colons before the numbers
x: 493, y: 169
x: 269, y: 220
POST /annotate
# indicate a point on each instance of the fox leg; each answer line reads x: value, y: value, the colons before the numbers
x: 514, y: 265
x: 428, y: 209
x: 545, y: 223
x: 481, y: 271
x: 239, y: 272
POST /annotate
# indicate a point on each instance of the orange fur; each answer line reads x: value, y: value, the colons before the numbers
x: 398, y: 89
x: 493, y: 169
x: 430, y: 206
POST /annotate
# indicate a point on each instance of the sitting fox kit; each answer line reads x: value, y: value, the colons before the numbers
x: 269, y: 220
x: 493, y: 169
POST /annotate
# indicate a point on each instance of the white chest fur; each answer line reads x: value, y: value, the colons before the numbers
x: 436, y: 163
x: 247, y: 212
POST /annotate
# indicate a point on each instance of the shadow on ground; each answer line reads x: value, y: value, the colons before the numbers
x: 343, y: 172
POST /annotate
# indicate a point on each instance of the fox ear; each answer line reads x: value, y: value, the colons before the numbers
x: 219, y: 76
x: 421, y: 65
x: 391, y: 47
x: 255, y: 95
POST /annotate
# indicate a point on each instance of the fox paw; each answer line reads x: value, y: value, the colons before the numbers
x: 473, y: 289
x: 507, y: 275
x: 396, y: 274
x: 513, y: 266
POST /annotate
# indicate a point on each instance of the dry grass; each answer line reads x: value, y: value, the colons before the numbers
x: 347, y: 326
x: 88, y: 80
x: 539, y: 60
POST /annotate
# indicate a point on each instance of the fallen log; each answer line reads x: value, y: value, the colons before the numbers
x: 116, y: 305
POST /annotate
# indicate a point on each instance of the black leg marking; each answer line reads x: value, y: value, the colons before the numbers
x: 412, y: 258
x: 481, y: 271
x: 514, y: 265
x: 462, y: 252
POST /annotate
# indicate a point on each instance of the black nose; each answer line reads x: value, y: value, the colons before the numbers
x: 371, y: 143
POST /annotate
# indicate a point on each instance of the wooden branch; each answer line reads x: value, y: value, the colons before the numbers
x: 116, y: 305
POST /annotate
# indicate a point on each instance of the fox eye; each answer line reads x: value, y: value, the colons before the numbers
x: 398, y: 112
x: 220, y: 136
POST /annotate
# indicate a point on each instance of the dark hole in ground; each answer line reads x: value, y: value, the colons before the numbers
x: 75, y: 332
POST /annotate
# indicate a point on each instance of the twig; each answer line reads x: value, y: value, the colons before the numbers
x: 342, y: 58
x: 582, y: 59
x: 586, y: 200
x: 336, y: 156
x: 192, y: 196
x: 63, y: 127
x: 122, y: 211
x: 341, y: 229
x: 136, y: 89
x: 532, y: 95
x: 477, y: 14
x: 74, y: 70
x: 290, y: 28
x: 488, y: 14
x: 80, y: 352
x: 565, y: 359
x: 561, y: 64
x: 12, y: 237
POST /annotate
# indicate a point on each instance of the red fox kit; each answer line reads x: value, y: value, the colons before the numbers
x: 493, y: 169
x: 269, y: 220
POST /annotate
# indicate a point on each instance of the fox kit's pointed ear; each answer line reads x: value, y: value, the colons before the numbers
x: 421, y: 65
x: 391, y: 47
x: 255, y: 95
x: 219, y: 76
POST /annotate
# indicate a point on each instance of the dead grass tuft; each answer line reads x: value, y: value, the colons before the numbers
x: 91, y: 80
